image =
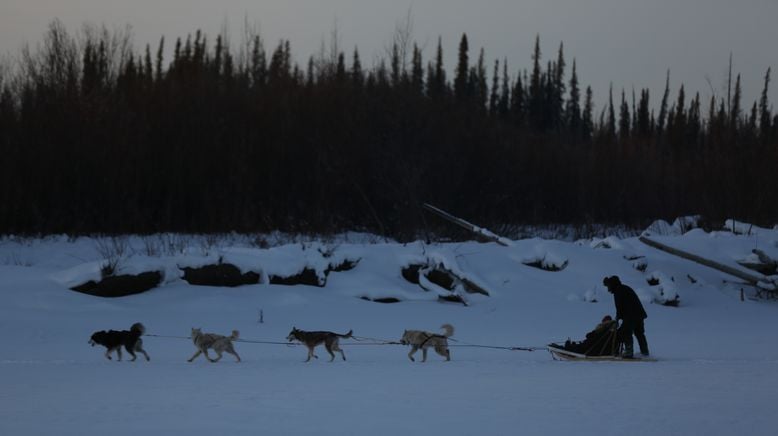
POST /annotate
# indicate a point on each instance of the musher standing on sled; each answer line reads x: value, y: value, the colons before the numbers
x: 631, y: 312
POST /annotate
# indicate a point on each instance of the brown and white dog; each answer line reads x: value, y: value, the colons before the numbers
x: 419, y: 339
x: 219, y: 344
x: 312, y: 339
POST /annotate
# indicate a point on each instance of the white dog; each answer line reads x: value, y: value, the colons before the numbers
x: 219, y: 344
x: 424, y: 340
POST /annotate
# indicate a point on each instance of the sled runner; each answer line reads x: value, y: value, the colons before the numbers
x: 561, y: 354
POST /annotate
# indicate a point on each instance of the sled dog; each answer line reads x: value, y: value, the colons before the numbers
x: 219, y: 344
x: 114, y: 340
x: 419, y: 339
x: 312, y: 339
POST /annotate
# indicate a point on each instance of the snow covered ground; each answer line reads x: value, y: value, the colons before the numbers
x: 716, y: 374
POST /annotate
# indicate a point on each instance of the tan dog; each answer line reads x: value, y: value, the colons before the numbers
x: 419, y: 339
x: 219, y: 344
x: 312, y: 339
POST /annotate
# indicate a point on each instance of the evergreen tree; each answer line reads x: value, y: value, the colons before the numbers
x: 158, y: 63
x: 478, y: 88
x: 417, y: 71
x: 505, y: 92
x: 610, y: 128
x: 624, y: 119
x: 258, y: 63
x: 735, y: 111
x: 587, y: 120
x: 437, y: 74
x: 494, y: 95
x: 357, y: 76
x: 536, y: 97
x: 663, y: 107
x: 765, y: 114
x: 642, y: 119
x: 461, y: 78
x: 573, y: 107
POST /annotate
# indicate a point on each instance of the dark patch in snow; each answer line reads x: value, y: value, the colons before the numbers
x: 411, y: 273
x: 442, y: 278
x: 121, y: 285
x: 542, y: 264
x: 452, y: 299
x: 346, y: 265
x: 307, y: 276
x: 387, y: 300
x: 222, y: 274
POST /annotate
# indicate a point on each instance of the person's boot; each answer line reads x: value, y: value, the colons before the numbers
x: 643, y: 346
x: 628, y: 352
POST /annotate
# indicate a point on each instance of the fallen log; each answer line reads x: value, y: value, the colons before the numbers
x: 750, y: 278
x: 480, y: 231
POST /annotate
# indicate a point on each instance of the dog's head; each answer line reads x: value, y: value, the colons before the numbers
x: 196, y: 332
x: 293, y: 334
x: 404, y: 339
x: 138, y: 328
x: 97, y: 338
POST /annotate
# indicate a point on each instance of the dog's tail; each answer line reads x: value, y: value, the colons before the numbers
x: 448, y: 330
x: 138, y: 329
x: 347, y: 335
x: 234, y: 335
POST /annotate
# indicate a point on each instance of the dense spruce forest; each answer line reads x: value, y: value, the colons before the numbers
x: 198, y: 135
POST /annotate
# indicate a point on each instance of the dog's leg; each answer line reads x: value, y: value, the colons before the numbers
x: 341, y: 352
x: 140, y: 349
x: 119, y: 352
x: 132, y: 353
x: 443, y: 351
x: 218, y: 356
x: 108, y: 353
x: 199, y: 352
x: 232, y: 351
x: 423, y: 354
x: 414, y: 349
x: 336, y: 347
x: 329, y: 347
x: 310, y: 354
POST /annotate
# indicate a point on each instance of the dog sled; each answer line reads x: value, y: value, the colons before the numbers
x: 562, y: 354
x: 600, y: 344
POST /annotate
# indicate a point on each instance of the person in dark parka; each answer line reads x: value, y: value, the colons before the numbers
x: 631, y: 312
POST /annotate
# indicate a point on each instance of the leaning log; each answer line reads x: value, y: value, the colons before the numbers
x: 750, y: 278
x: 480, y: 231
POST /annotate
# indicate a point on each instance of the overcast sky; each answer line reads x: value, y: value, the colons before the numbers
x: 626, y: 42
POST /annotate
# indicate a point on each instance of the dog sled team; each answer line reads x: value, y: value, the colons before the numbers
x: 114, y: 340
x: 608, y: 340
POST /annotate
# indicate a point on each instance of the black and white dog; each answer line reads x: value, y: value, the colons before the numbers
x: 116, y: 339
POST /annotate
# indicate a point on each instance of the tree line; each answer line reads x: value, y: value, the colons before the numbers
x: 96, y: 137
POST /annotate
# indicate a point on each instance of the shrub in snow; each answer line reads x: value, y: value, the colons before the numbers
x: 599, y: 243
x: 121, y: 285
x: 678, y: 227
x: 546, y: 262
x: 220, y: 274
x: 759, y: 261
x: 663, y: 290
x: 439, y: 271
x: 308, y: 276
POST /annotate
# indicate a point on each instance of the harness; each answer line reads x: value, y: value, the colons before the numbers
x: 430, y: 337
